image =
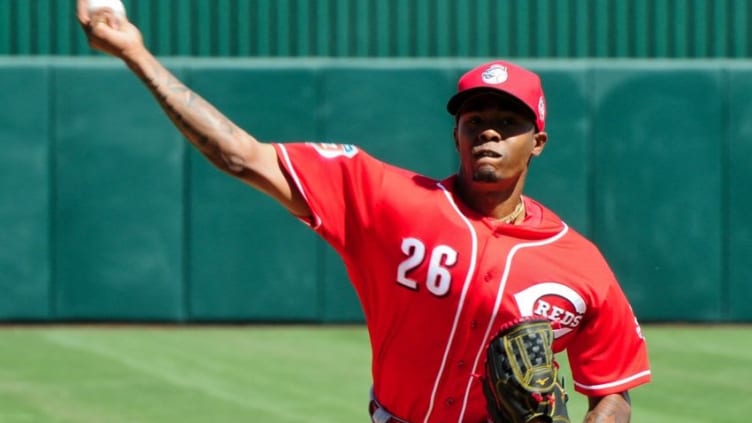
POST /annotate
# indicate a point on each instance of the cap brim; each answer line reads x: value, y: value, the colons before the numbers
x: 455, y: 103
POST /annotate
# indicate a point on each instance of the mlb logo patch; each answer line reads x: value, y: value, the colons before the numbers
x: 331, y: 150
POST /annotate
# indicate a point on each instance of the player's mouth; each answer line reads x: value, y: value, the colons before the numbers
x: 480, y: 154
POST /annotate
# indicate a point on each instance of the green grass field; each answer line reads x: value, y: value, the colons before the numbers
x: 286, y: 374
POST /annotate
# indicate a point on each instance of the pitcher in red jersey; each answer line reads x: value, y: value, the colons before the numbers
x: 456, y: 258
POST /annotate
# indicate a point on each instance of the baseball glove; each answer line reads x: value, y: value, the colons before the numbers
x: 522, y: 380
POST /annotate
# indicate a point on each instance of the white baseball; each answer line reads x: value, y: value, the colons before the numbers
x: 116, y: 6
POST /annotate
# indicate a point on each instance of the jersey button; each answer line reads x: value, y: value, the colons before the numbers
x: 449, y: 401
x: 461, y: 364
x: 474, y: 324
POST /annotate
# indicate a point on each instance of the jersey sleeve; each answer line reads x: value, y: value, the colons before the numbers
x: 340, y: 183
x: 609, y: 354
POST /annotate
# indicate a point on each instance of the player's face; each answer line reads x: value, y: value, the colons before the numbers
x: 495, y: 139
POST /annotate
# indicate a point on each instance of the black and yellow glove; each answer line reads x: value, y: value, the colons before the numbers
x: 521, y: 381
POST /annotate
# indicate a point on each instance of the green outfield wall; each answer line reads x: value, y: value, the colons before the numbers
x: 106, y: 214
x: 401, y: 28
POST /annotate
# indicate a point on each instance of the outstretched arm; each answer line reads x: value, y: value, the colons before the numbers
x: 228, y: 147
x: 614, y: 408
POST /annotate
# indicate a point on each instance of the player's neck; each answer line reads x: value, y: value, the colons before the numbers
x: 503, y: 205
x: 516, y: 216
x: 510, y: 209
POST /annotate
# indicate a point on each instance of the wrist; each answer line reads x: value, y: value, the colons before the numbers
x: 135, y: 57
x: 140, y: 61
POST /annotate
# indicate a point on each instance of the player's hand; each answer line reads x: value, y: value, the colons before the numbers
x: 109, y: 32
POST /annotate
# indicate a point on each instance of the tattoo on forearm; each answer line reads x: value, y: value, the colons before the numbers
x: 610, y: 409
x: 198, y: 120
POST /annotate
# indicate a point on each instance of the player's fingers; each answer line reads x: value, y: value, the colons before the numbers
x: 102, y: 23
x: 82, y: 12
x: 101, y: 36
x: 103, y: 46
x: 89, y: 20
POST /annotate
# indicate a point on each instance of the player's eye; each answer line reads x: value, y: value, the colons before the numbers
x: 506, y: 122
x: 473, y: 121
x: 513, y: 124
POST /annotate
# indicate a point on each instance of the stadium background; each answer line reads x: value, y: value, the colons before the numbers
x: 106, y: 215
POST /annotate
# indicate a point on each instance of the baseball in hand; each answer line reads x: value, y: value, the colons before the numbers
x: 116, y: 6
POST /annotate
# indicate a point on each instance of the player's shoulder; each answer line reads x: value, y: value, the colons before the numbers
x: 551, y: 218
x: 327, y: 150
x: 328, y: 153
x: 356, y: 157
x: 575, y: 241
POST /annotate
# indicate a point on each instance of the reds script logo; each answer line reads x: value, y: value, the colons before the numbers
x: 554, y: 301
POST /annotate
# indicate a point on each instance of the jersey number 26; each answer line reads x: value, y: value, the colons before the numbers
x: 438, y: 278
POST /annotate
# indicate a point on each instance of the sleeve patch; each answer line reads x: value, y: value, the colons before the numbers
x: 331, y: 150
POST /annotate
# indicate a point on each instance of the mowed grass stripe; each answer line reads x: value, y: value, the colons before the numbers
x: 169, y: 369
x: 41, y: 383
x: 696, y: 372
x: 302, y: 374
x: 191, y: 374
x: 698, y: 375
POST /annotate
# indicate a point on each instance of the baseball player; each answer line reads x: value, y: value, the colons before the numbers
x: 438, y: 265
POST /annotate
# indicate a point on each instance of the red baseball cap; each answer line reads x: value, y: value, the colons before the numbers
x: 504, y: 77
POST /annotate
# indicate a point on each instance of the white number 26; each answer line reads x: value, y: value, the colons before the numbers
x: 438, y: 279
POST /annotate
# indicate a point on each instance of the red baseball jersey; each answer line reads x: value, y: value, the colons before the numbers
x: 436, y: 280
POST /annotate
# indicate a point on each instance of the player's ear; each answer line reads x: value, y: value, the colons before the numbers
x: 539, y: 140
x: 456, y: 142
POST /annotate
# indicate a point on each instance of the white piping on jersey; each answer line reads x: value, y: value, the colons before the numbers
x: 463, y: 296
x: 612, y: 384
x: 497, y: 304
x: 286, y: 158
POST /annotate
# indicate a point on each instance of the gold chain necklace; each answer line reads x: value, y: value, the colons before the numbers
x: 512, y: 217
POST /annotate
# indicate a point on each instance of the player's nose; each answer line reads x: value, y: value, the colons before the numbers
x: 489, y: 135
